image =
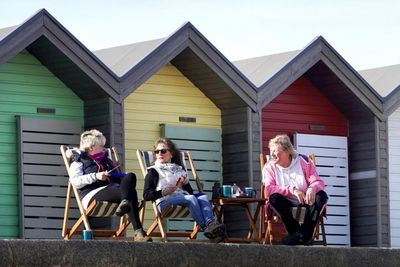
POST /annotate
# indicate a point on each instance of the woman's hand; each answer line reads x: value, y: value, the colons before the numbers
x: 102, y: 176
x: 310, y: 196
x: 185, y: 179
x: 168, y: 190
x: 300, y: 196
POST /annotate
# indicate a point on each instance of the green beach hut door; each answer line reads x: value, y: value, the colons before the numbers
x: 206, y: 148
x: 42, y: 175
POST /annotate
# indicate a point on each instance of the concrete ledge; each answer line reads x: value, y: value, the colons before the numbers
x: 125, y: 253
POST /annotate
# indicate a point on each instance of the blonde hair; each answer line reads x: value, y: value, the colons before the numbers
x: 284, y: 142
x: 91, y: 138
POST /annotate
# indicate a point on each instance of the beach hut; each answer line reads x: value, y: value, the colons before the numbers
x: 183, y: 88
x: 316, y: 97
x: 386, y: 81
x: 51, y: 88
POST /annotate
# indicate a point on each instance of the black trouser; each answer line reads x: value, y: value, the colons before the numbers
x: 282, y: 205
x: 126, y: 190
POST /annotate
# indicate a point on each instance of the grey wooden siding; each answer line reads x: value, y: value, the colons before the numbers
x: 105, y: 115
x: 235, y: 151
x: 42, y: 175
x: 255, y: 136
x: 363, y: 183
x: 382, y: 157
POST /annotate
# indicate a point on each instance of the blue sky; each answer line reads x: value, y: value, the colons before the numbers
x: 364, y: 32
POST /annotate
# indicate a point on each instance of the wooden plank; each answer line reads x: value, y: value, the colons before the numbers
x: 42, y: 158
x: 42, y: 234
x: 49, y: 212
x: 51, y: 126
x: 323, y: 152
x: 45, y: 180
x: 333, y: 171
x: 201, y: 146
x: 44, y: 191
x: 47, y: 201
x: 325, y: 141
x: 49, y: 138
x: 44, y: 169
x: 191, y: 133
x: 40, y: 147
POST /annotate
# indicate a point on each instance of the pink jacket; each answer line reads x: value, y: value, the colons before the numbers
x: 269, y: 179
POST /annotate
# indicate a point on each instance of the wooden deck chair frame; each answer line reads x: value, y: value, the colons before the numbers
x: 274, y: 228
x: 95, y: 209
x: 171, y: 211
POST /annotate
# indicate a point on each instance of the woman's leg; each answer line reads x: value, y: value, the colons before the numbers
x: 205, y: 208
x: 188, y: 201
x: 128, y: 192
x: 312, y: 215
x: 114, y: 193
x: 282, y: 205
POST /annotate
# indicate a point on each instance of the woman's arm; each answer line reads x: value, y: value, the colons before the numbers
x: 312, y: 177
x: 78, y: 178
x: 150, y: 185
x: 270, y: 182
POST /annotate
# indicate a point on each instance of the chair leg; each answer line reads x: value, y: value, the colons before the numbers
x: 159, y: 221
x: 323, y: 232
x: 123, y: 224
x: 66, y: 211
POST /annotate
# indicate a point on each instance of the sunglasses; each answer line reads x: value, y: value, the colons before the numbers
x: 162, y: 151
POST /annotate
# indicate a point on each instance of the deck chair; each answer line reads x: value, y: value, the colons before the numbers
x: 274, y: 228
x: 95, y: 208
x: 145, y: 159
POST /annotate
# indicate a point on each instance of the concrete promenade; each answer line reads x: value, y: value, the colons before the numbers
x: 125, y: 253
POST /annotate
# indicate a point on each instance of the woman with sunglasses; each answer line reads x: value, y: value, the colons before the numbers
x: 167, y: 183
x: 93, y: 173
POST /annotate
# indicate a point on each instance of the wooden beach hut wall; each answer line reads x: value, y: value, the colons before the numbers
x: 386, y: 81
x: 51, y: 88
x: 184, y: 84
x: 316, y: 93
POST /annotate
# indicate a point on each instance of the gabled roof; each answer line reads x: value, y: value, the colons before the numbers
x: 189, y: 51
x: 57, y: 49
x: 121, y: 58
x: 260, y: 69
x: 383, y: 79
x: 386, y: 80
x: 327, y: 70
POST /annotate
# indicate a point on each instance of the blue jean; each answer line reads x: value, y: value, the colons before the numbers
x: 199, y: 206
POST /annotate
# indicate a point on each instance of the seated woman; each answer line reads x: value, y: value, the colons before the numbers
x: 161, y: 186
x: 92, y: 173
x: 291, y: 180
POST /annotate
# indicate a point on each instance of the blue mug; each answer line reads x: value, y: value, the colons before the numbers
x: 250, y: 192
x: 227, y: 191
x: 87, y: 235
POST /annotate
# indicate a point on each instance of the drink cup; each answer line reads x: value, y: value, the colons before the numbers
x: 227, y: 191
x: 250, y: 192
x: 87, y: 235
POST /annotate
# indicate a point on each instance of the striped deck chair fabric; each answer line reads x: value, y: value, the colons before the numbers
x: 95, y: 208
x: 145, y: 159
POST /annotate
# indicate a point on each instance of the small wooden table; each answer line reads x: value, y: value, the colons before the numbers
x: 221, y: 203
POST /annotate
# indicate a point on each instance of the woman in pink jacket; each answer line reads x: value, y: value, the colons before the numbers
x: 291, y: 180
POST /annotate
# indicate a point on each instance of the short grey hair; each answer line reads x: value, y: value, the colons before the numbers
x: 91, y: 138
x: 284, y: 142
